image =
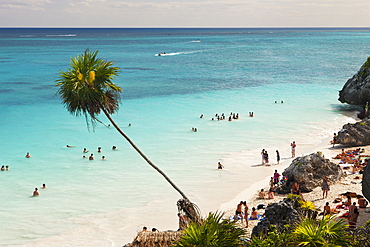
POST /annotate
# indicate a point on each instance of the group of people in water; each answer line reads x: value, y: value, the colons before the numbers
x: 91, y: 157
x: 222, y: 116
x: 36, y: 191
x: 5, y: 168
x: 218, y: 117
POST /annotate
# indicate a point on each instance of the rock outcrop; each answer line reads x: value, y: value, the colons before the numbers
x: 357, y: 134
x: 366, y: 183
x: 278, y: 214
x: 309, y: 172
x: 356, y: 91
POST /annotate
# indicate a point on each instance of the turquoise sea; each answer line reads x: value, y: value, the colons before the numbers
x: 204, y: 71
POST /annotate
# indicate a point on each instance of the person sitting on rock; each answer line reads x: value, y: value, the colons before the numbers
x: 362, y: 203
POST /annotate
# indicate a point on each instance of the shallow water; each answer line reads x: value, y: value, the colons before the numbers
x: 104, y: 202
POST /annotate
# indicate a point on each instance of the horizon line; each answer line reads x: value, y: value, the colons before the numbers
x: 168, y: 27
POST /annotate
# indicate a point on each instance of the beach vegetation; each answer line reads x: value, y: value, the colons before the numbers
x: 213, y: 231
x: 306, y: 205
x: 274, y: 238
x: 294, y: 197
x: 360, y: 235
x: 87, y: 89
x: 367, y: 223
x: 365, y: 68
x: 328, y: 231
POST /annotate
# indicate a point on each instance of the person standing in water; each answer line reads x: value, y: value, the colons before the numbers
x: 36, y: 192
x: 220, y: 166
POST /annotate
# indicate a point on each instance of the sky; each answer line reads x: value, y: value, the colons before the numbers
x: 184, y: 13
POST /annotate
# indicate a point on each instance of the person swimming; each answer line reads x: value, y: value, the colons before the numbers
x: 36, y: 192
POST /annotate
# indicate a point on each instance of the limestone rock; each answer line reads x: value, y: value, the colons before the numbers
x: 356, y: 91
x: 366, y: 183
x: 279, y: 214
x: 309, y: 172
x: 357, y: 134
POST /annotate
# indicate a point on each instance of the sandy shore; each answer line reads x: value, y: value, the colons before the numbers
x: 348, y: 183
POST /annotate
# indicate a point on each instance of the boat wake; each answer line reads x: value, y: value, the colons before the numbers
x: 163, y: 54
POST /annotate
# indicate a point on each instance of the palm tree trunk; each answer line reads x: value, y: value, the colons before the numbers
x: 143, y: 155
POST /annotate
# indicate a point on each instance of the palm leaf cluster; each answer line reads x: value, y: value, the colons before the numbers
x: 310, y: 232
x: 214, y: 231
x: 87, y: 87
x: 325, y: 232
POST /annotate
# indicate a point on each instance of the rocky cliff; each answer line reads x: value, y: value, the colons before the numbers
x: 357, y: 134
x: 366, y: 183
x: 309, y: 171
x: 356, y: 91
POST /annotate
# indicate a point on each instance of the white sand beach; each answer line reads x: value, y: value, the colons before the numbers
x: 348, y: 183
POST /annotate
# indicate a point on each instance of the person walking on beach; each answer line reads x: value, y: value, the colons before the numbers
x: 293, y: 145
x: 276, y: 177
x: 263, y: 156
x: 277, y: 157
x: 353, y: 215
x: 325, y: 187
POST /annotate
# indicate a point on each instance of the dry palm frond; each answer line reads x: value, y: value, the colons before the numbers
x: 155, y: 239
x: 190, y: 209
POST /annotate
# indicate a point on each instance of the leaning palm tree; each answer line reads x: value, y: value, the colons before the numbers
x: 87, y: 89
